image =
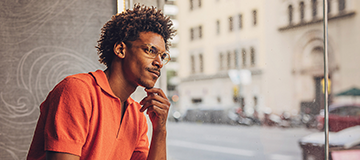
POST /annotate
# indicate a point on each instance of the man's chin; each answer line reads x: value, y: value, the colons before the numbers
x: 148, y: 85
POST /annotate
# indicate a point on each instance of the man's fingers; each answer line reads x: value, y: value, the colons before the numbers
x: 155, y: 110
x: 157, y: 91
x: 156, y: 98
x: 150, y: 103
x: 155, y: 102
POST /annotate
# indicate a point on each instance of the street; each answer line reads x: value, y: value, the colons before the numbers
x: 196, y: 141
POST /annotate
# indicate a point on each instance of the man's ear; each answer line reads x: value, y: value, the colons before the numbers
x: 119, y: 49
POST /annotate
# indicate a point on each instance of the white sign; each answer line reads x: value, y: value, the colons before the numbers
x: 242, y: 76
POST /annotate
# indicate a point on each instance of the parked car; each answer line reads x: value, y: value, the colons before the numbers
x: 344, y: 144
x: 341, y: 116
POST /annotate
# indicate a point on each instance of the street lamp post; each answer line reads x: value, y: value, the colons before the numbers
x: 326, y: 77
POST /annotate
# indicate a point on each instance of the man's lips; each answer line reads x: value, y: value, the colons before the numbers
x: 155, y: 71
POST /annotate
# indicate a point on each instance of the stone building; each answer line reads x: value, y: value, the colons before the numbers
x: 280, y: 42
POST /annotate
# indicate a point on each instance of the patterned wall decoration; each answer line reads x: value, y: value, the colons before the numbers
x: 42, y: 42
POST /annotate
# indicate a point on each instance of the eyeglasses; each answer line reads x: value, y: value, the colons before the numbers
x: 151, y: 52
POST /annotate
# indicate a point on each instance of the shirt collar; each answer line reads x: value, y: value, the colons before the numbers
x: 102, y: 81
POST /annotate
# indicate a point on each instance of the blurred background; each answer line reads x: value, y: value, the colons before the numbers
x: 246, y: 78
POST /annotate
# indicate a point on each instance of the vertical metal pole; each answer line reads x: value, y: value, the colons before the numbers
x: 326, y: 75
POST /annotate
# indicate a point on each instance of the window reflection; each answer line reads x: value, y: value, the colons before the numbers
x: 277, y: 49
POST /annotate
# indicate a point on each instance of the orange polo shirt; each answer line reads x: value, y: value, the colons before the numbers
x: 81, y: 116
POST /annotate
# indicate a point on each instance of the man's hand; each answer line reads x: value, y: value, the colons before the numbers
x: 157, y: 105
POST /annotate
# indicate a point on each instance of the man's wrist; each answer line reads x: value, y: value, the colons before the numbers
x: 160, y: 131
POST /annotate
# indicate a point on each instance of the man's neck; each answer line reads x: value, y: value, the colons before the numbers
x: 118, y: 84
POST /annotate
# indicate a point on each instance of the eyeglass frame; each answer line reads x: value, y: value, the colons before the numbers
x: 147, y: 51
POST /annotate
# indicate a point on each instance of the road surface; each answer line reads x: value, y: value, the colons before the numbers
x: 196, y: 141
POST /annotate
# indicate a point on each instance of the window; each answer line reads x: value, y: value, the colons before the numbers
x: 200, y: 32
x: 201, y: 62
x: 194, y: 4
x: 240, y: 21
x: 287, y: 75
x: 218, y: 27
x: 243, y: 57
x: 230, y: 24
x: 236, y: 58
x: 254, y: 17
x: 221, y: 57
x: 252, y: 56
x: 290, y: 10
x: 196, y: 100
x: 341, y: 5
x: 242, y: 101
x: 302, y: 11
x: 228, y: 60
x: 192, y: 61
x: 196, y: 33
x: 255, y: 101
x: 191, y: 4
x: 173, y: 59
x: 191, y: 33
x: 314, y: 8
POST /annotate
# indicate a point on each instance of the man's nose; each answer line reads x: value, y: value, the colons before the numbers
x: 158, y: 61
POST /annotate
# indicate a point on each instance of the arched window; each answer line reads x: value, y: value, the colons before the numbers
x: 290, y: 10
x: 302, y: 11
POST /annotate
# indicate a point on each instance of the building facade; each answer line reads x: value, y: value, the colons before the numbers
x: 280, y: 42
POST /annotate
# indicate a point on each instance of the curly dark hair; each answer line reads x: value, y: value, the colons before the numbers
x: 127, y: 25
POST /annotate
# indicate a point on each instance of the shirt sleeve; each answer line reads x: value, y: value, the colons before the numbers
x: 69, y: 110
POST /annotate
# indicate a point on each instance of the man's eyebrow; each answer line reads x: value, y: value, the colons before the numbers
x: 153, y: 46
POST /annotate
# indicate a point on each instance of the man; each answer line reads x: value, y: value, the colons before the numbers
x: 91, y: 116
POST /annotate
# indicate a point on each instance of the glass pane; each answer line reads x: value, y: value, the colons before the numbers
x: 262, y: 85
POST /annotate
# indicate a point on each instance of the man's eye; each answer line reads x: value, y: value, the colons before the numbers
x: 152, y: 51
x: 163, y: 55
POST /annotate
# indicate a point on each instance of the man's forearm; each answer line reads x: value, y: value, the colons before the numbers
x: 60, y: 156
x: 158, y: 146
